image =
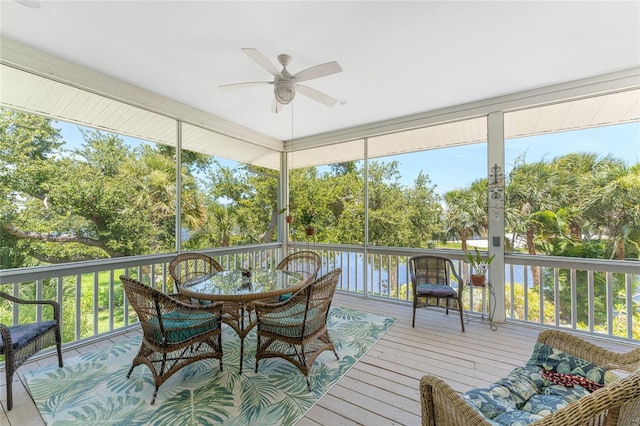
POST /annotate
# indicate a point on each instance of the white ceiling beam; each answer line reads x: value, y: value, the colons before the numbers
x: 607, y: 83
x: 26, y: 58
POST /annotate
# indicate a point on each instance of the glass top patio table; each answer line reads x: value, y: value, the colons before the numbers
x: 243, y: 285
x: 237, y: 288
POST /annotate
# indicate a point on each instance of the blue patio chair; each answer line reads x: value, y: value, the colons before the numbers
x: 431, y: 280
x: 19, y: 342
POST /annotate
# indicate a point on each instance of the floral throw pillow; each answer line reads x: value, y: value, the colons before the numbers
x: 557, y: 361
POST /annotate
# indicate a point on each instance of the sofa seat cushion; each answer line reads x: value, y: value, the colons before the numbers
x: 516, y: 418
x: 526, y: 395
x: 508, y: 394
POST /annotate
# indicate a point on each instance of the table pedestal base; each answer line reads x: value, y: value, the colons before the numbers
x: 239, y: 319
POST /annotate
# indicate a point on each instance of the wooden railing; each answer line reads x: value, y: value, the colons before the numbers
x: 91, y: 293
x: 595, y: 296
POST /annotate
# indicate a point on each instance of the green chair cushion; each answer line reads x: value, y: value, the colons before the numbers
x: 180, y: 326
x: 289, y: 323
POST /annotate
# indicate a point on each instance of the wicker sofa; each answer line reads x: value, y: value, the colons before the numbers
x: 613, y: 403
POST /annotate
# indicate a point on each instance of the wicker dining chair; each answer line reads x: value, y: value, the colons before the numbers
x: 19, y: 342
x: 175, y: 333
x: 296, y: 329
x: 190, y: 265
x: 306, y: 263
x: 431, y: 280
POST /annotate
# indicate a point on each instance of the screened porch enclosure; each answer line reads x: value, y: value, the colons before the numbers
x: 598, y: 298
x: 38, y: 83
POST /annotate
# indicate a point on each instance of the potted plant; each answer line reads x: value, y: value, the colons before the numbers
x: 306, y: 219
x: 287, y: 218
x: 480, y: 265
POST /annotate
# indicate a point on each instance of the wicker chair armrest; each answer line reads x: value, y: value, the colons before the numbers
x: 442, y: 406
x: 297, y: 297
x: 574, y: 345
x: 268, y: 306
x: 275, y: 307
x: 213, y: 307
x: 55, y: 305
x: 6, y: 336
x: 608, y: 398
x: 181, y: 297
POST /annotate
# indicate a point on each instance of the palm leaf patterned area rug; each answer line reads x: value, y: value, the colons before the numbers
x: 93, y: 388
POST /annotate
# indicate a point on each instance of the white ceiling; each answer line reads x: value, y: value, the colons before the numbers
x: 399, y: 58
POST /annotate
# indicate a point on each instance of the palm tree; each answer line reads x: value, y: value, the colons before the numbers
x: 467, y: 211
x: 613, y: 204
x: 533, y: 188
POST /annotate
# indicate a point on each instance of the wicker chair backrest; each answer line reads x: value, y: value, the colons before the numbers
x: 165, y: 320
x: 307, y: 263
x: 305, y: 312
x: 191, y: 265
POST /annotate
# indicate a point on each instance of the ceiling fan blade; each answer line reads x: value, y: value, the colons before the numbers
x: 316, y: 95
x: 261, y: 60
x: 318, y: 71
x: 248, y: 83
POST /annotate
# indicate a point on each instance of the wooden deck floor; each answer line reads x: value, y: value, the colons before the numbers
x: 382, y: 388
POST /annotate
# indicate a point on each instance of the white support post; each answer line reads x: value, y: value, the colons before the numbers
x: 283, y: 202
x: 496, y: 180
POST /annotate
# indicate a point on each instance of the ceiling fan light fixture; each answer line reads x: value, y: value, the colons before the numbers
x: 285, y: 85
x: 285, y: 91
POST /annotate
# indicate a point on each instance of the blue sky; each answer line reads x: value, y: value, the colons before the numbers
x: 453, y: 168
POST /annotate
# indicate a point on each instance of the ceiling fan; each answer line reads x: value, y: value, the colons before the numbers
x: 285, y: 85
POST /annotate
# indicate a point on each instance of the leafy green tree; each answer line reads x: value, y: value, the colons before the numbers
x: 253, y: 193
x: 26, y: 140
x: 424, y: 212
x: 388, y: 219
x: 346, y: 205
x: 103, y: 199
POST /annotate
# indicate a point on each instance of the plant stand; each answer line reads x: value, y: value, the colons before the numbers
x: 488, y: 296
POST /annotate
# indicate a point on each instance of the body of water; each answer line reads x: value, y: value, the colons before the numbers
x: 379, y: 277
